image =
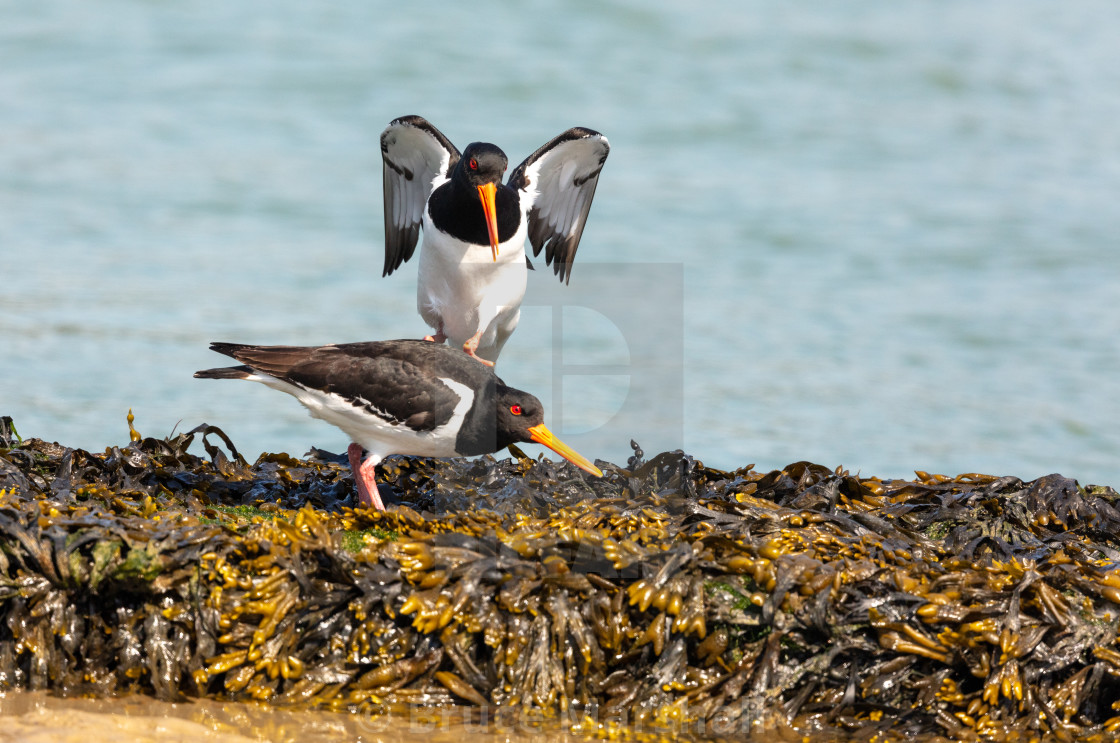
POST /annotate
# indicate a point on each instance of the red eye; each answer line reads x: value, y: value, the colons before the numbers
x: 515, y: 409
x: 473, y: 163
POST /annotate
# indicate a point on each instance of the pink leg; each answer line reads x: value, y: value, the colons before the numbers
x: 364, y: 478
x: 471, y: 346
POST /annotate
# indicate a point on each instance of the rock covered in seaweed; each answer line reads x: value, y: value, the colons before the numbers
x: 667, y: 593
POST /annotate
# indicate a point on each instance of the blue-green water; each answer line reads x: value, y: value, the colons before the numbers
x: 890, y: 229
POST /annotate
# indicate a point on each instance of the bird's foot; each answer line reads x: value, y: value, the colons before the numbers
x: 471, y: 349
x: 438, y: 336
x: 479, y: 359
x: 364, y: 478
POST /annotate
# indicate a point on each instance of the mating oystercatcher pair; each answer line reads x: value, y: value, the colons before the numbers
x: 423, y: 398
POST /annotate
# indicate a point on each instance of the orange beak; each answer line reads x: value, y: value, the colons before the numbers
x: 486, y: 195
x: 542, y: 435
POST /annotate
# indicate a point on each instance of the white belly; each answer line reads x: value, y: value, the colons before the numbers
x: 461, y: 289
x: 380, y: 438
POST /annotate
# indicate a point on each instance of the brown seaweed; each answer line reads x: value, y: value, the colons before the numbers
x: 666, y: 595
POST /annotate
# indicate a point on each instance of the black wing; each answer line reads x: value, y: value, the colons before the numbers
x: 390, y: 378
x: 413, y: 153
x: 559, y: 181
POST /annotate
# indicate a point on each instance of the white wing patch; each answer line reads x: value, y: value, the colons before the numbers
x: 466, y: 400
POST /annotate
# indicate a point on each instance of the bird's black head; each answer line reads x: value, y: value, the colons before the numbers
x: 480, y: 164
x: 520, y: 418
x: 480, y: 170
x: 517, y: 412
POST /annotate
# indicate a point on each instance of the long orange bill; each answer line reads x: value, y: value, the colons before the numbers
x: 542, y: 435
x: 486, y: 194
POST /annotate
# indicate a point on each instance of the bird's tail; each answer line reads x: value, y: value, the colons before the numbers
x: 229, y: 349
x: 227, y: 372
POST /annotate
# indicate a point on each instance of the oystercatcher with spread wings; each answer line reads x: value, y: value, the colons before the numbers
x: 399, y: 397
x: 473, y: 266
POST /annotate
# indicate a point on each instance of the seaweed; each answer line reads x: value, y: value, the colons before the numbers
x: 665, y: 595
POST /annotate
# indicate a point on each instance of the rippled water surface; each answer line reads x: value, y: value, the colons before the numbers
x: 882, y: 236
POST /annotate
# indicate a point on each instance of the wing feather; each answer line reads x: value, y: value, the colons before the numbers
x: 414, y: 154
x: 558, y: 182
x: 385, y: 378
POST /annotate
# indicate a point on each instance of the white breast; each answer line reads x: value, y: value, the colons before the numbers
x: 462, y: 289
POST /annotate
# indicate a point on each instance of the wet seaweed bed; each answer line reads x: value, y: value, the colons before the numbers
x: 665, y: 597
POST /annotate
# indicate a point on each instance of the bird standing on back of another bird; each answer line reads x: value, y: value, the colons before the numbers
x: 473, y: 266
x: 399, y: 397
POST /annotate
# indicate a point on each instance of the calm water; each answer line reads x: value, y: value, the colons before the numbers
x: 882, y: 235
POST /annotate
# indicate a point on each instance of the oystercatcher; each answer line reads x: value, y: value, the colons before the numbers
x: 398, y: 397
x: 472, y: 264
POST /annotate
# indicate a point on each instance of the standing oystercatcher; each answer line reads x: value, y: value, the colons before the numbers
x: 472, y: 265
x: 399, y: 397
